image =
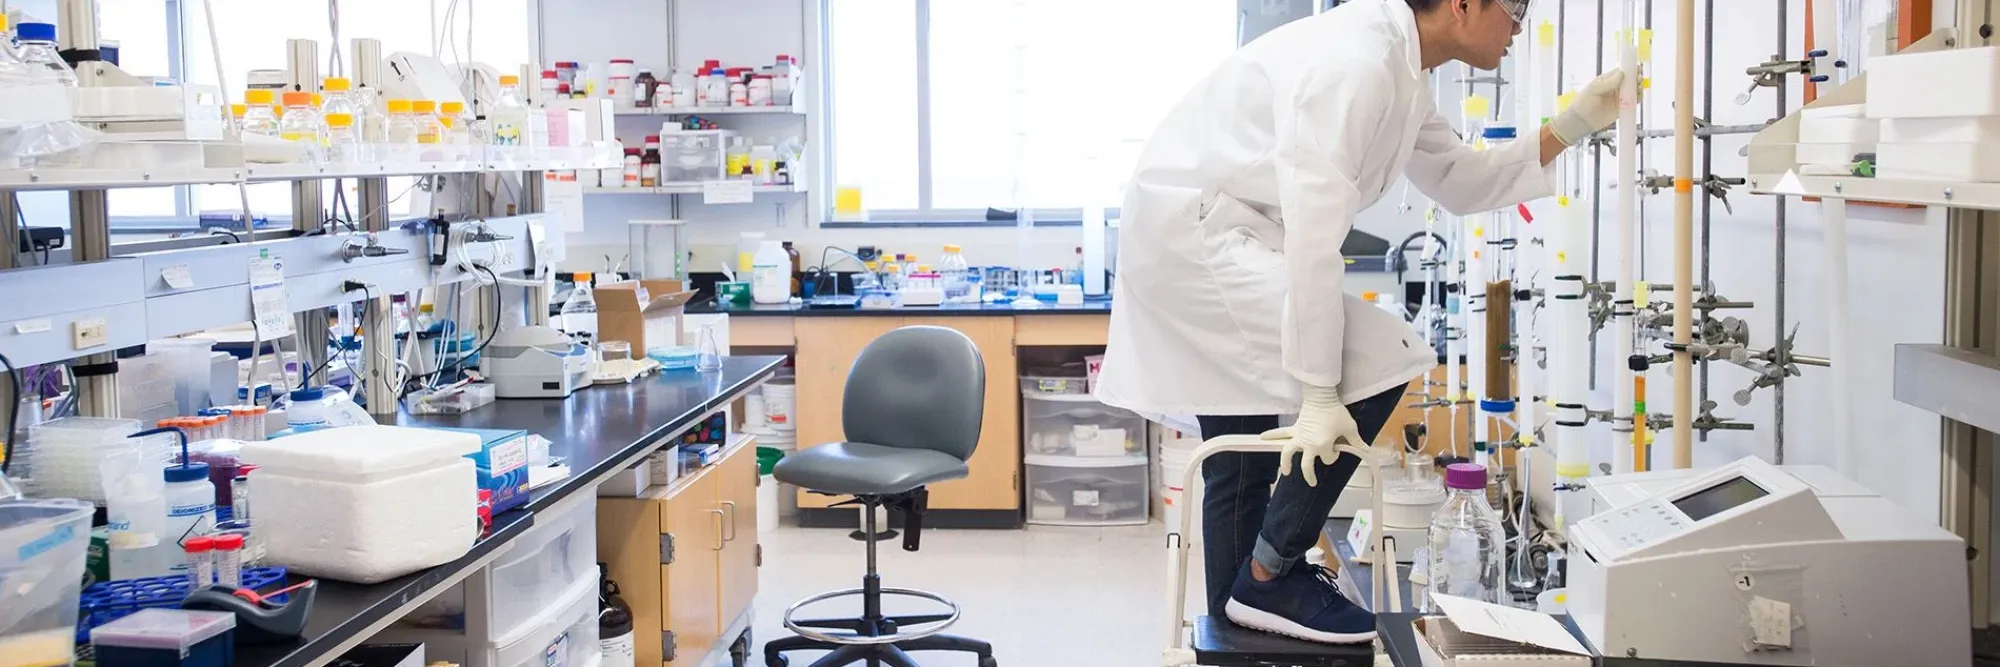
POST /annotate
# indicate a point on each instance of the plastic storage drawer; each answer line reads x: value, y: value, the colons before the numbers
x: 559, y: 632
x: 1075, y: 425
x: 532, y: 576
x: 1100, y: 496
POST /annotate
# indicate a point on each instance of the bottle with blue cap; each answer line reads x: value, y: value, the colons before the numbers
x: 39, y: 50
x: 1499, y: 134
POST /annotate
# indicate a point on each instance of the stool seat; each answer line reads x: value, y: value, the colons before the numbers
x: 859, y: 468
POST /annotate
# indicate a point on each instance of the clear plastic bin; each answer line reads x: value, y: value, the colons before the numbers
x: 1093, y: 496
x: 1059, y: 385
x: 42, y: 548
x: 1074, y: 425
x: 559, y: 631
x: 535, y: 574
x: 65, y: 454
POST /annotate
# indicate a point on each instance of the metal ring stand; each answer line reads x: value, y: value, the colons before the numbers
x: 854, y: 639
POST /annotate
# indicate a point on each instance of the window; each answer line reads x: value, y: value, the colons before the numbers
x: 944, y: 108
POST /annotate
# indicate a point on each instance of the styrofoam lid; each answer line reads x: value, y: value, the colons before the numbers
x: 360, y: 450
x: 1835, y: 111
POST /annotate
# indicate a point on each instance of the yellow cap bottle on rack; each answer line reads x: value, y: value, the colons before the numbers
x: 335, y: 84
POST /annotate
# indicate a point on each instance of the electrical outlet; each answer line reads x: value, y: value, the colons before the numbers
x: 85, y: 334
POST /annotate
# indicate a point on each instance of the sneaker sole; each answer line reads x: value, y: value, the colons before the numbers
x: 1258, y: 619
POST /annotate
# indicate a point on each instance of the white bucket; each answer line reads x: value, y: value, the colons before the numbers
x: 1175, y: 455
x: 753, y: 411
x: 768, y: 504
x: 784, y: 441
x: 781, y: 404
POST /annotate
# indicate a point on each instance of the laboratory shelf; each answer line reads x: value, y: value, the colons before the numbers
x: 1068, y: 461
x: 1950, y: 382
x: 94, y: 179
x: 711, y: 111
x: 1918, y: 193
x: 104, y: 179
x: 693, y: 188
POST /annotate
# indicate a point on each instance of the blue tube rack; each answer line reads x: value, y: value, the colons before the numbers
x: 107, y: 601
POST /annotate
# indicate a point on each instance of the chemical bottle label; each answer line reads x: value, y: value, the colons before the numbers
x: 507, y: 134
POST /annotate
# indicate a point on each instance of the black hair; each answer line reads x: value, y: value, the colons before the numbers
x: 1421, y: 6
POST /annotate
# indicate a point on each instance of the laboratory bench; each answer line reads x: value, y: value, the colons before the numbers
x: 598, y: 432
x: 1088, y: 307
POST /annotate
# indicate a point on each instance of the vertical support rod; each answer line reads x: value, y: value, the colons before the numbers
x: 1707, y: 166
x: 90, y: 229
x: 10, y: 230
x: 1778, y: 262
x: 378, y: 334
x: 1624, y: 446
x: 1684, y: 236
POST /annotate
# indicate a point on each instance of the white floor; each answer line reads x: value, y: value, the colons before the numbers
x: 1044, y: 596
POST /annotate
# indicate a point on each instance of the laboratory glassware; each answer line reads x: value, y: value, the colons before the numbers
x: 1465, y: 539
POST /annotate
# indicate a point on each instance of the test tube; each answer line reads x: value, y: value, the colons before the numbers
x: 229, y: 560
x: 200, y: 560
x: 257, y: 414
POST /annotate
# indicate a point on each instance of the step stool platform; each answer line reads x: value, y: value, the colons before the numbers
x: 1219, y: 643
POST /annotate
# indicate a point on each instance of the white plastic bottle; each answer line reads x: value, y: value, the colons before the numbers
x: 190, y: 508
x: 684, y: 89
x: 1465, y: 540
x: 136, y: 512
x: 579, y: 310
x: 770, y: 274
x: 784, y: 80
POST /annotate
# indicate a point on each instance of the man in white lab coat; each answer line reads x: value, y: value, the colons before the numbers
x: 1229, y: 302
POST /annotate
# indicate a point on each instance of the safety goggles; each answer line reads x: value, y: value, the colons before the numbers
x: 1518, y: 9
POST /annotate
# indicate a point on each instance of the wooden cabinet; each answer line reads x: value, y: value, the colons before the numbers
x: 685, y: 557
x: 827, y: 348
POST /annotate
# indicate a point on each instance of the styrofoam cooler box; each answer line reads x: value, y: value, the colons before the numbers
x: 1839, y: 124
x: 1953, y: 163
x: 538, y: 569
x: 1836, y: 154
x: 366, y: 503
x: 1937, y: 84
x: 1980, y: 129
x: 1089, y: 496
x: 1078, y: 425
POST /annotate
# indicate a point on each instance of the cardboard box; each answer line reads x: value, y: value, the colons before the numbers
x: 645, y: 313
x: 1488, y: 635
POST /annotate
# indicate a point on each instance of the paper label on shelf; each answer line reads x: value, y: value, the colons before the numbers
x: 269, y: 308
x: 562, y: 204
x: 32, y: 326
x: 726, y: 192
x: 178, y: 276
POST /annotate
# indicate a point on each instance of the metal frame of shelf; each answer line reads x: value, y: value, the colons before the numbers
x: 1955, y: 379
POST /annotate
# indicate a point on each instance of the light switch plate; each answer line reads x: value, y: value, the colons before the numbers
x: 89, y: 333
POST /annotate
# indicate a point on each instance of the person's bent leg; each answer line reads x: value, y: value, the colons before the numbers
x: 1270, y: 594
x: 1236, y: 490
x: 1299, y: 510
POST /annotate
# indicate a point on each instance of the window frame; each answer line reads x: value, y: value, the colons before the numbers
x: 925, y: 215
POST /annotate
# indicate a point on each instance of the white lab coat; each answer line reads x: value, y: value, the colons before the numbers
x: 1229, y: 268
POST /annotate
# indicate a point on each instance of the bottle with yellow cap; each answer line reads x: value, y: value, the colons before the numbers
x: 258, y: 116
x: 402, y: 123
x: 430, y: 130
x: 301, y: 123
x: 953, y: 272
x: 236, y: 113
x: 510, y: 119
x: 343, y: 139
x: 457, y: 124
x: 337, y: 97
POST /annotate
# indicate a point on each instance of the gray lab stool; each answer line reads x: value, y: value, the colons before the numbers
x: 911, y: 416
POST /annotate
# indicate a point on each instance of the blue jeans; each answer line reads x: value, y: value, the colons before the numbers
x: 1242, y: 516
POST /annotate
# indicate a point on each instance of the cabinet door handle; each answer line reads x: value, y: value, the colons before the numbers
x: 718, y: 528
x: 729, y: 506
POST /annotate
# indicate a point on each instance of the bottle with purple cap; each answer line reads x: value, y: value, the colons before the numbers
x: 1465, y: 539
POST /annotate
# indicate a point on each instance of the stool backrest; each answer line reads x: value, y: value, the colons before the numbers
x: 918, y: 387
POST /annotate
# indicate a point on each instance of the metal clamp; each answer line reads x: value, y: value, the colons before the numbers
x: 1769, y: 74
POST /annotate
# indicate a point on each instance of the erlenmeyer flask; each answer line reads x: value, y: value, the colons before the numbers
x: 709, y: 356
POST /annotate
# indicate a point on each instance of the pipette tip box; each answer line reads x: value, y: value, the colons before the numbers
x: 167, y: 638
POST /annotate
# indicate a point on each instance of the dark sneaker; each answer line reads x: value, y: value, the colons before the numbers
x: 1304, y: 603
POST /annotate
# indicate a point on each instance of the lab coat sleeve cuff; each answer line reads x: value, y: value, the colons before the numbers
x: 1316, y: 379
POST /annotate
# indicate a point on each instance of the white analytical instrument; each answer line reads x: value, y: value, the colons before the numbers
x: 1752, y: 564
x: 536, y: 362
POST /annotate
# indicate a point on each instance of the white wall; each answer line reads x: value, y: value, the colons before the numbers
x: 1897, y: 273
